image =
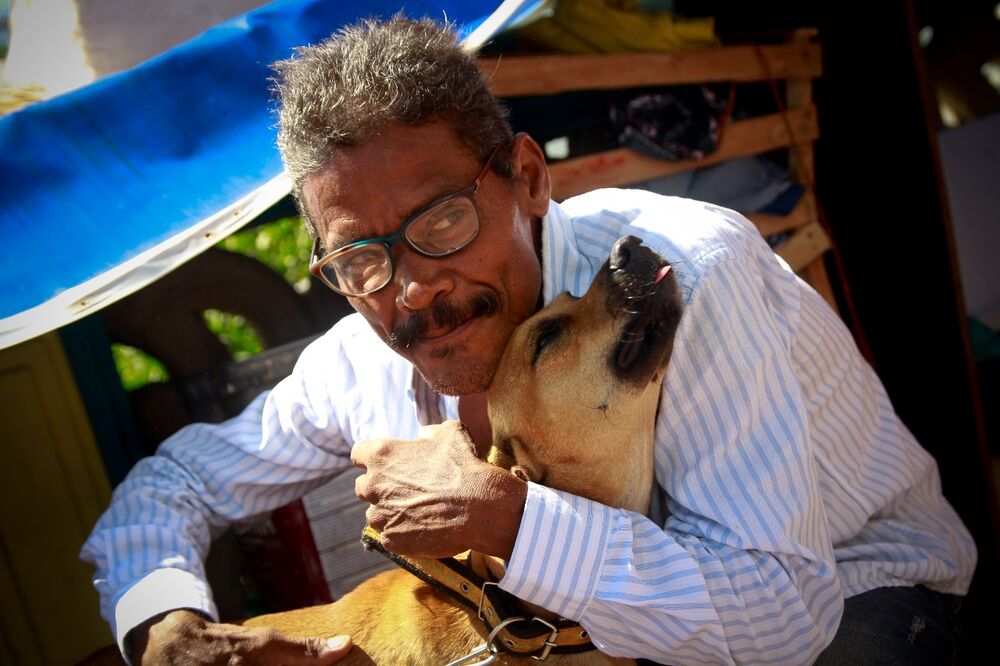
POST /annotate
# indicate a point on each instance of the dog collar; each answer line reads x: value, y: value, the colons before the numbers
x: 509, y: 630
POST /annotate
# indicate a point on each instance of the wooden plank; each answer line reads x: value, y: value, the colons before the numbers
x: 799, y: 92
x: 53, y: 491
x: 515, y: 76
x: 804, y: 246
x: 623, y: 166
x: 804, y: 213
x: 815, y: 274
x: 19, y: 642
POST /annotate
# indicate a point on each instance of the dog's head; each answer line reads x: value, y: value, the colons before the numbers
x: 573, y: 402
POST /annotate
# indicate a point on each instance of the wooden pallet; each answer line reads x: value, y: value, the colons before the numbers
x: 796, y: 63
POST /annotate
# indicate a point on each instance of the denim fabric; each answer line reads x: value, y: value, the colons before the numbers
x: 896, y: 625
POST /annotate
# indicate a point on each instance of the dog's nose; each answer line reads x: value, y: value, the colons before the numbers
x: 622, y: 251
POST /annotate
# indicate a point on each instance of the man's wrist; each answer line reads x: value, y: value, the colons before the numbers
x: 135, y: 640
x: 156, y: 594
x: 138, y: 637
x: 503, y: 506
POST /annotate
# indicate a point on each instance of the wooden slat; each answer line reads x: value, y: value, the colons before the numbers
x: 514, y: 76
x: 768, y: 224
x: 815, y: 274
x: 623, y: 166
x: 804, y: 246
x: 799, y: 92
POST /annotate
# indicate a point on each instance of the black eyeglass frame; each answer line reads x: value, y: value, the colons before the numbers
x: 316, y: 263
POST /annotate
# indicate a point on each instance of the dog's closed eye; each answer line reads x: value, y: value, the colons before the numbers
x: 547, y: 332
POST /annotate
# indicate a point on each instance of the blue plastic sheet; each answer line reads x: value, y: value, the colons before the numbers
x: 110, y: 186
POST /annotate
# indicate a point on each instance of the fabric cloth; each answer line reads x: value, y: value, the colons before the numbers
x: 785, y: 480
x: 896, y: 625
x: 674, y: 123
x: 746, y: 184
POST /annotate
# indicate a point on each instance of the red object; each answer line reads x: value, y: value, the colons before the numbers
x: 282, y: 556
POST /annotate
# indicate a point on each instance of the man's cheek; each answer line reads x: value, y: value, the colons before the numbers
x: 376, y: 314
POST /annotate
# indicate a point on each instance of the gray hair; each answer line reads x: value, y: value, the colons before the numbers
x: 342, y: 91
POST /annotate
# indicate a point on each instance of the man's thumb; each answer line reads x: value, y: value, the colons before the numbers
x: 335, y: 648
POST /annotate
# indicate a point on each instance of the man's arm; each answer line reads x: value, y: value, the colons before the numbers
x: 184, y: 637
x: 148, y: 547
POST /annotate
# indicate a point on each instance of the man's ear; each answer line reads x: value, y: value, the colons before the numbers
x: 531, y: 173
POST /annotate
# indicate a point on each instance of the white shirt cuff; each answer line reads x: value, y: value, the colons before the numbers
x: 161, y: 591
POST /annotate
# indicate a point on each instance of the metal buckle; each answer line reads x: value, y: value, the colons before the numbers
x: 482, y: 597
x: 549, y: 643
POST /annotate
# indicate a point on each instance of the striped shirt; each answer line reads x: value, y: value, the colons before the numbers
x: 785, y: 480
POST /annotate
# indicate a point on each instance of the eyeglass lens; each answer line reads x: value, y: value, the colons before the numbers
x: 440, y: 231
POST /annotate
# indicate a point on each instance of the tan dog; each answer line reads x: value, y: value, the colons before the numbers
x: 579, y: 381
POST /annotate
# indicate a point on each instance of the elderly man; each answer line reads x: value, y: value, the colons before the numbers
x: 798, y: 519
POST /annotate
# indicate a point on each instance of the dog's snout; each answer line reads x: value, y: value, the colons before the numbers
x: 620, y: 257
x: 622, y: 252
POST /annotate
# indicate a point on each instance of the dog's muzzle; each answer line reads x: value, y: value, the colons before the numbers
x: 641, y: 287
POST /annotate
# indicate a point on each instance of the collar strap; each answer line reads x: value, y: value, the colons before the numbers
x: 499, y: 610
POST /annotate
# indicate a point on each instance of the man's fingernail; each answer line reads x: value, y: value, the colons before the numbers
x: 337, y: 642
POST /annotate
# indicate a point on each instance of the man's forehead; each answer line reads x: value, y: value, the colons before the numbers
x: 351, y: 199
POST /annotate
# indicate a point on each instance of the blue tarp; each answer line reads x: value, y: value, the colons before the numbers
x: 108, y: 187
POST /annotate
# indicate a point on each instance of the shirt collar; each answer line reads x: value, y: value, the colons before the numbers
x: 561, y: 259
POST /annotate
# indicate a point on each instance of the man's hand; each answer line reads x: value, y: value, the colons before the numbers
x: 433, y: 497
x: 184, y: 637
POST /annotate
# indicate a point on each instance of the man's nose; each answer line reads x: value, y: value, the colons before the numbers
x: 421, y: 280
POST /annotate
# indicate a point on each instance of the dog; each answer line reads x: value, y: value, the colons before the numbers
x: 579, y: 381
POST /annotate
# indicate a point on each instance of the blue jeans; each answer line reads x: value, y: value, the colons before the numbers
x: 896, y: 625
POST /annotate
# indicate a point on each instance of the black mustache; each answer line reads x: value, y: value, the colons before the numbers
x: 443, y: 314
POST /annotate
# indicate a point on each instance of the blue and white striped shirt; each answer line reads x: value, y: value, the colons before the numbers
x: 787, y: 481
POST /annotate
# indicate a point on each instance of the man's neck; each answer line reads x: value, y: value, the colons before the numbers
x: 472, y: 412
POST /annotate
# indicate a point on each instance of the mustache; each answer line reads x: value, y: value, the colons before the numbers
x: 443, y: 314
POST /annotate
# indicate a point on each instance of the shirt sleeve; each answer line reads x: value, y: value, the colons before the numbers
x: 149, y: 546
x: 742, y: 570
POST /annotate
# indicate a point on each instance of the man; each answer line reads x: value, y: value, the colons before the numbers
x: 787, y: 483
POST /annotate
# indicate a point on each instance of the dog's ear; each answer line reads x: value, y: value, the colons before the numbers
x: 521, y: 472
x: 499, y: 457
x: 503, y: 457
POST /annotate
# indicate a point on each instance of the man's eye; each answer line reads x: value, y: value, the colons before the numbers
x: 443, y: 223
x: 363, y: 258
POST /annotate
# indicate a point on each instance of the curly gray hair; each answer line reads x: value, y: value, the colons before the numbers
x: 342, y: 91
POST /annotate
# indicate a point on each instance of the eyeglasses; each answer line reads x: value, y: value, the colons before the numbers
x: 440, y: 228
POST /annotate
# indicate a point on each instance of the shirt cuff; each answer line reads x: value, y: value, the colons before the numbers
x: 559, y: 552
x: 160, y: 591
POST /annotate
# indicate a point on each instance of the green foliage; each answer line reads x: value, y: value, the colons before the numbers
x: 283, y: 245
x: 235, y: 332
x: 137, y: 368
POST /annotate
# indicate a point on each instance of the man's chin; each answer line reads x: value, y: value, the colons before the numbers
x: 454, y: 376
x: 460, y: 365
